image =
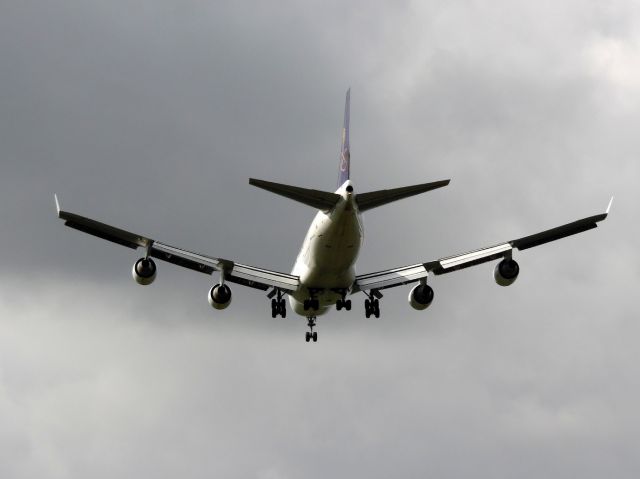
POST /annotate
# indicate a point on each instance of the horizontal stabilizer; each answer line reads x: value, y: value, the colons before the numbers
x: 322, y: 200
x: 373, y: 199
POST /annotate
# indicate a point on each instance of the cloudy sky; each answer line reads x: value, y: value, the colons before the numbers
x: 152, y: 114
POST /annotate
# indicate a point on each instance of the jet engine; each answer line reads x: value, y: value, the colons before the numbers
x: 421, y: 296
x: 506, y: 272
x: 144, y: 271
x: 219, y: 296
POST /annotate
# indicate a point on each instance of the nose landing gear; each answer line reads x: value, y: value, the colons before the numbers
x: 311, y: 334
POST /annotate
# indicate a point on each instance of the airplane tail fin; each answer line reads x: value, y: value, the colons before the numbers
x: 345, y: 154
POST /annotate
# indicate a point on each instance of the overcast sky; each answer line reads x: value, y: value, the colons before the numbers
x: 152, y: 115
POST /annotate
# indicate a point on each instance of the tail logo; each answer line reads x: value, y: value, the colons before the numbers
x: 344, y: 154
x: 345, y: 161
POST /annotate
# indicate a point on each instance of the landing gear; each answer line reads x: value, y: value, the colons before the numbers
x: 372, y: 307
x: 311, y: 304
x: 278, y: 307
x: 311, y: 334
x: 372, y: 304
x: 343, y: 303
x: 278, y: 304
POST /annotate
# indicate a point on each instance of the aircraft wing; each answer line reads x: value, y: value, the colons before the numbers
x: 234, y: 272
x: 412, y: 273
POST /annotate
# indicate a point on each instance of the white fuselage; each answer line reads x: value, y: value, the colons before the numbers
x: 326, y: 262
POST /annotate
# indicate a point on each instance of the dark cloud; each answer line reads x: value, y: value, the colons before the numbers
x: 152, y: 115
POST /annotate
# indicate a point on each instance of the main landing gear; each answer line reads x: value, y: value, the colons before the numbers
x: 372, y: 304
x: 313, y: 303
x: 343, y: 303
x: 311, y: 334
x: 278, y: 304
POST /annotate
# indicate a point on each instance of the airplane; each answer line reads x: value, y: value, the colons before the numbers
x: 324, y: 273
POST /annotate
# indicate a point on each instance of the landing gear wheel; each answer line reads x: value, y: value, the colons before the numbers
x: 347, y: 305
x: 339, y: 305
x: 307, y: 336
x: 376, y: 308
x: 314, y: 335
x: 283, y: 308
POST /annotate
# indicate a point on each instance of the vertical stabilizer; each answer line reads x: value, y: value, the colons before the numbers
x: 345, y: 154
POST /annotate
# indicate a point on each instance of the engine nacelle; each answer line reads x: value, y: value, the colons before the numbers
x: 421, y: 296
x: 219, y: 296
x: 506, y: 272
x: 144, y: 271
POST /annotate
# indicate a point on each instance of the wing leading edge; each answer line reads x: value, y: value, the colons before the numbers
x: 234, y: 272
x: 412, y: 273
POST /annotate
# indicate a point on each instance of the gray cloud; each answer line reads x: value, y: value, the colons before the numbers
x: 151, y: 116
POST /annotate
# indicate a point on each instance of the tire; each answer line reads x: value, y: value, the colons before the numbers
x: 376, y: 309
x: 315, y: 337
x: 307, y: 336
x: 347, y: 305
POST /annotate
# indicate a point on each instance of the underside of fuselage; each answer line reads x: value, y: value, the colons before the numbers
x: 326, y: 262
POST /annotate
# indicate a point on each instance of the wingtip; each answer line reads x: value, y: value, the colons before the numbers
x: 55, y: 196
x: 609, y: 206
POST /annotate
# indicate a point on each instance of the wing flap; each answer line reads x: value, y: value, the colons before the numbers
x: 454, y: 263
x: 186, y: 259
x: 559, y: 232
x: 285, y: 282
x: 390, y: 278
x: 104, y: 231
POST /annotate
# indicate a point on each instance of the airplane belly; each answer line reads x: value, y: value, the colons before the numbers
x: 326, y: 261
x: 333, y: 251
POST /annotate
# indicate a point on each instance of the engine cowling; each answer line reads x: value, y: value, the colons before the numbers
x: 144, y: 271
x: 506, y: 272
x: 421, y: 296
x: 219, y: 296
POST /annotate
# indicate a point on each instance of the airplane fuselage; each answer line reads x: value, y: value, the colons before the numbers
x: 326, y: 262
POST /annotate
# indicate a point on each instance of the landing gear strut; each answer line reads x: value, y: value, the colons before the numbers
x: 278, y: 304
x: 372, y: 304
x: 311, y: 334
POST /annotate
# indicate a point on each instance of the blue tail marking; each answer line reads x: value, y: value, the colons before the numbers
x: 345, y: 154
